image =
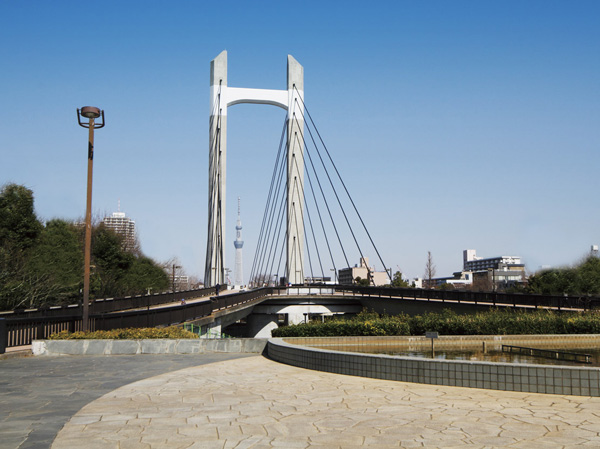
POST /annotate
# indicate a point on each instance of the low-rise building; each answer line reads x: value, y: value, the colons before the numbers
x: 347, y: 276
x: 318, y: 280
x: 493, y: 273
x: 473, y: 263
x: 181, y: 282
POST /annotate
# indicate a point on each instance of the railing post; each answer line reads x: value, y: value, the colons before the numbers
x: 40, y: 331
x: 559, y: 302
x: 3, y: 335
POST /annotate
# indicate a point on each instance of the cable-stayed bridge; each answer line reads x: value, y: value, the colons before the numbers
x: 260, y: 309
x: 311, y: 226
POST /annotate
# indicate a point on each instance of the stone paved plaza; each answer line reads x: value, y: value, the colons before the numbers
x: 38, y: 395
x: 253, y: 402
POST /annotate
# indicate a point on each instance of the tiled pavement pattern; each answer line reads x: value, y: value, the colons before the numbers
x: 38, y: 395
x: 257, y: 403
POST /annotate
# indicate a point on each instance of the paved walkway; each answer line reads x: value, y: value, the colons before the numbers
x: 38, y: 395
x: 257, y: 403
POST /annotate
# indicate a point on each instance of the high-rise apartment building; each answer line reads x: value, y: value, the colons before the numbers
x: 124, y: 226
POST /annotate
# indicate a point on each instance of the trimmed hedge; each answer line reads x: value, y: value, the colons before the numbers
x: 364, y: 324
x: 126, y: 334
x: 493, y: 322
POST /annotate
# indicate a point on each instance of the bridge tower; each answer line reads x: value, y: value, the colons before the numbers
x: 292, y: 100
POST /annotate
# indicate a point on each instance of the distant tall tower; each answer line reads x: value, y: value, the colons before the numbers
x: 122, y: 225
x: 239, y: 243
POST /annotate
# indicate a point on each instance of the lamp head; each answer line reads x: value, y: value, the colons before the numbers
x: 90, y: 112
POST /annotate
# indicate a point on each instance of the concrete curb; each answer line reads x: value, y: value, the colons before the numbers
x: 157, y: 346
x: 16, y: 354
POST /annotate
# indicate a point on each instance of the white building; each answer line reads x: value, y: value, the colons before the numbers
x: 491, y: 273
x: 180, y: 283
x: 502, y: 271
x: 473, y: 263
x: 123, y: 226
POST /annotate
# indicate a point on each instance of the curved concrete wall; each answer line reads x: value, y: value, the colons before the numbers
x: 150, y: 346
x: 496, y: 376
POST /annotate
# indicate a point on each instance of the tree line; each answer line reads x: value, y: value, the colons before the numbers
x: 41, y: 264
x: 581, y: 279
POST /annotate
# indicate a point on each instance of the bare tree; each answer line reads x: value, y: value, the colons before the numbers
x: 178, y: 278
x: 429, y: 270
x: 195, y: 282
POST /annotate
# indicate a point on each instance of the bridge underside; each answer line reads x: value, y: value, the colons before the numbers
x: 259, y: 320
x: 273, y: 307
x: 286, y: 310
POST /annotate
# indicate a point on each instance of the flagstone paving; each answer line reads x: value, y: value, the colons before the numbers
x: 38, y: 395
x: 254, y: 402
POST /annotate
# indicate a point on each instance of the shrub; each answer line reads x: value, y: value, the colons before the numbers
x: 492, y: 322
x: 364, y: 324
x: 126, y: 334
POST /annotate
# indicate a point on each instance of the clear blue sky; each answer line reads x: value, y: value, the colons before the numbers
x: 455, y: 124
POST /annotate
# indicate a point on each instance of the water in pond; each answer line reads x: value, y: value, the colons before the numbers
x: 477, y: 355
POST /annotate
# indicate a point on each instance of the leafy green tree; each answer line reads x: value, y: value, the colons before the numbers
x: 19, y: 226
x: 145, y: 275
x: 58, y: 259
x: 19, y: 230
x: 362, y: 282
x: 583, y: 279
x: 110, y: 263
x: 42, y: 265
x: 589, y: 276
x: 397, y: 281
x: 118, y: 272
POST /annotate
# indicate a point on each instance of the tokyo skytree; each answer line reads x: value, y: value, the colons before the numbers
x: 239, y: 243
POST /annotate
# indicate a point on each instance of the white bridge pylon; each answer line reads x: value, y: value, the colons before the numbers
x: 292, y: 100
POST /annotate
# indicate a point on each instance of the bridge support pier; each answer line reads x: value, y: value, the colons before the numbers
x: 260, y: 325
x: 213, y: 330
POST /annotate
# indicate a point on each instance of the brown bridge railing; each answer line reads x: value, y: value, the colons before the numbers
x: 19, y: 330
x: 557, y: 302
x: 106, y: 305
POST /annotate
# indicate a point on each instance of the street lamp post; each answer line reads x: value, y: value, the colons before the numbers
x: 174, y: 268
x: 227, y: 278
x: 91, y: 113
